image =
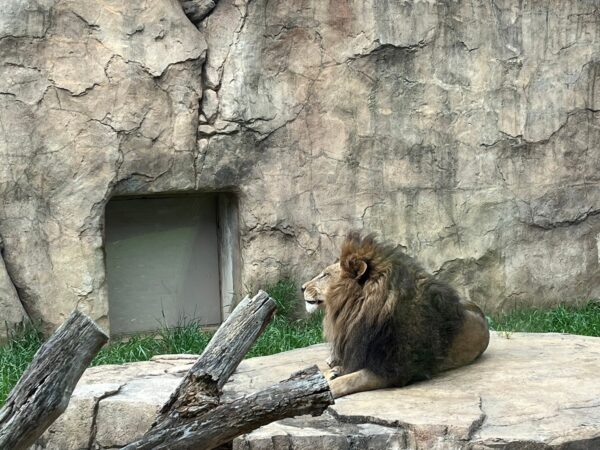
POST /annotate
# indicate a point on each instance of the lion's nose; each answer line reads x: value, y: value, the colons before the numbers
x: 302, y: 288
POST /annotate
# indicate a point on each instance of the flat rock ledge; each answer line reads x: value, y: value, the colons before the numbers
x: 533, y: 391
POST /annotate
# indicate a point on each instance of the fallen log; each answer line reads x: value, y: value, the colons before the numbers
x: 201, y: 387
x: 44, y: 390
x: 305, y: 392
x: 194, y: 416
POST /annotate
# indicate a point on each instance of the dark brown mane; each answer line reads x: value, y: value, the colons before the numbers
x: 383, y: 296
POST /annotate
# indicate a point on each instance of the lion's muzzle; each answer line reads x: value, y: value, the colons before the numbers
x: 312, y: 304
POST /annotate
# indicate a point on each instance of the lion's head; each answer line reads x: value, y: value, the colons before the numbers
x: 315, y: 290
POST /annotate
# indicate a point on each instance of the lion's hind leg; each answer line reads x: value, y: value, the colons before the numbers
x: 359, y: 381
x: 471, y: 341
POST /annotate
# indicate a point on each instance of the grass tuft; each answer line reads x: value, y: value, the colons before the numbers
x: 187, y: 338
x: 583, y: 320
x: 282, y: 335
x: 285, y: 332
x: 15, y: 356
x: 285, y: 294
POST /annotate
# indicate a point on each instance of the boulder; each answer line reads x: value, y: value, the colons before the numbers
x: 538, y: 391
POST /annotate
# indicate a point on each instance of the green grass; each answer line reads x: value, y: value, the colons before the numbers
x: 583, y: 320
x: 15, y: 356
x: 283, y: 333
x: 188, y: 338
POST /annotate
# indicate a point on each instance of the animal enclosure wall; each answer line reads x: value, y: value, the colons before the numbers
x: 467, y: 131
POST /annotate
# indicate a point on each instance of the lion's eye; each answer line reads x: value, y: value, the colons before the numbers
x: 325, y: 274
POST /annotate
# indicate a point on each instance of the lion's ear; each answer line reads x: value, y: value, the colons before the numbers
x: 360, y: 269
x: 355, y: 267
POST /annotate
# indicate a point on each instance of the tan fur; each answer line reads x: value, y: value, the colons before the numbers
x: 375, y: 287
x: 471, y: 341
x: 315, y: 288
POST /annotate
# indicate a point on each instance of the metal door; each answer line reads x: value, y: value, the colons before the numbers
x: 162, y: 262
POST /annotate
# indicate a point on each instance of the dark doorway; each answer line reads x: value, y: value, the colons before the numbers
x: 163, y: 262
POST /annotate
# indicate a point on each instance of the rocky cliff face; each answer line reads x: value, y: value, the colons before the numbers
x: 467, y: 131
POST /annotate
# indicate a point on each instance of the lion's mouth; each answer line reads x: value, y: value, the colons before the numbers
x: 313, y: 304
x: 313, y: 301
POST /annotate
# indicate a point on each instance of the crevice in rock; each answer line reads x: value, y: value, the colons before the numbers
x: 94, y: 425
x: 200, y: 58
x: 580, y: 218
x: 91, y: 26
x: 234, y: 42
x: 478, y: 423
x: 372, y: 205
x: 547, y: 139
x: 412, y: 432
x: 357, y: 419
x: 10, y: 276
x: 567, y: 408
x: 377, y: 47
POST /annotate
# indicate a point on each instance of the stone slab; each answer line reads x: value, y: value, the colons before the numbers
x: 536, y: 390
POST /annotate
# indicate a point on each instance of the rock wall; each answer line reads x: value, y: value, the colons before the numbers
x: 98, y: 98
x: 467, y: 131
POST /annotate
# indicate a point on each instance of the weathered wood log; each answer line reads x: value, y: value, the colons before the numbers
x: 200, y: 388
x: 194, y: 417
x: 305, y: 392
x: 44, y: 390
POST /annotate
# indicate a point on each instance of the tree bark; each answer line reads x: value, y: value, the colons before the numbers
x: 194, y: 417
x: 44, y: 390
x: 201, y: 387
x: 305, y: 392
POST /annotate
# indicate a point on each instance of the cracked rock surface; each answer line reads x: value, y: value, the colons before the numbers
x: 11, y: 308
x: 468, y: 132
x: 96, y: 98
x: 535, y: 391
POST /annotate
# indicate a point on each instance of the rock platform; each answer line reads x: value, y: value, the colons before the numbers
x: 528, y: 391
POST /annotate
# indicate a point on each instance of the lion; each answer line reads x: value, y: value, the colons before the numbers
x: 388, y: 321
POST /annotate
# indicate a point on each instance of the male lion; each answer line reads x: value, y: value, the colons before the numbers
x: 388, y: 321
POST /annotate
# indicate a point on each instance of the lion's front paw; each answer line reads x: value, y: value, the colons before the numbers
x: 332, y: 373
x: 332, y: 361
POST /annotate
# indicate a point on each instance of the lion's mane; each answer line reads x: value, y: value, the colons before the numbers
x: 387, y: 314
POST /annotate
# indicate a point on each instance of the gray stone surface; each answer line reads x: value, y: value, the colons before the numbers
x: 210, y: 104
x: 534, y: 390
x: 467, y: 131
x: 12, y: 313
